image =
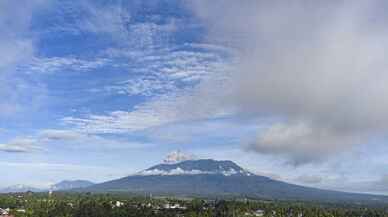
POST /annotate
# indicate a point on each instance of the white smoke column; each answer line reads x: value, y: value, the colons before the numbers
x: 177, y: 156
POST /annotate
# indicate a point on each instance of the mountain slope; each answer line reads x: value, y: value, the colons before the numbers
x: 214, y: 178
x: 19, y: 188
x: 71, y: 184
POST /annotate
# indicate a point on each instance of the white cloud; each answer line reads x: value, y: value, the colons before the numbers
x: 171, y: 80
x: 117, y: 20
x: 316, y: 69
x: 167, y: 74
x: 86, y: 16
x: 59, y: 64
x: 70, y: 139
x: 144, y: 86
x: 165, y: 70
x: 116, y: 122
x: 319, y: 68
x: 165, y: 109
x: 16, y: 46
x: 84, y: 142
x: 109, y: 19
x: 20, y: 146
x: 52, y: 134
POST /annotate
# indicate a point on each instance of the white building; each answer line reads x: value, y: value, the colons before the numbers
x: 173, y: 206
x: 119, y: 204
x: 259, y: 212
x: 21, y: 210
x: 4, y: 211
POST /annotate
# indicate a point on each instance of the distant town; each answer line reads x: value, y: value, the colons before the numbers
x: 29, y: 204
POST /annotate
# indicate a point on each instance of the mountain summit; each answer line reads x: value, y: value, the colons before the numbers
x: 196, y: 167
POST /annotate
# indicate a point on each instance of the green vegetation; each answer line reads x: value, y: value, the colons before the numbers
x: 112, y: 205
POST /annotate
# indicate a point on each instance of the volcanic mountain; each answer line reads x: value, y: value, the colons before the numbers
x: 212, y: 178
x: 71, y: 184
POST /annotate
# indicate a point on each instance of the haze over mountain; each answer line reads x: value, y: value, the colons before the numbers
x: 19, y: 188
x: 60, y: 186
x: 71, y: 184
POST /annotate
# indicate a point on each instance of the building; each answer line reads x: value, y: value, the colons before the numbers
x: 258, y: 212
x: 21, y: 210
x: 119, y: 204
x: 5, y: 213
x: 174, y: 206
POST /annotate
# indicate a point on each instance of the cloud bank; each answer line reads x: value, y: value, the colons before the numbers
x: 318, y: 69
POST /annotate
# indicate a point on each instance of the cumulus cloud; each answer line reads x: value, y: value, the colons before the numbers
x: 318, y: 68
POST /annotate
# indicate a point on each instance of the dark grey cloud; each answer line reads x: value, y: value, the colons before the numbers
x: 317, y: 67
x: 309, y: 179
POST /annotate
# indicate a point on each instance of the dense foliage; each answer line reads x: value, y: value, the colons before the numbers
x: 90, y: 205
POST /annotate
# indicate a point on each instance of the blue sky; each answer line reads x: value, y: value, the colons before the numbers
x: 101, y: 89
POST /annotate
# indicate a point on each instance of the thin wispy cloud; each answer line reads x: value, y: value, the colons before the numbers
x: 16, y: 46
x: 60, y: 64
x: 20, y: 146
